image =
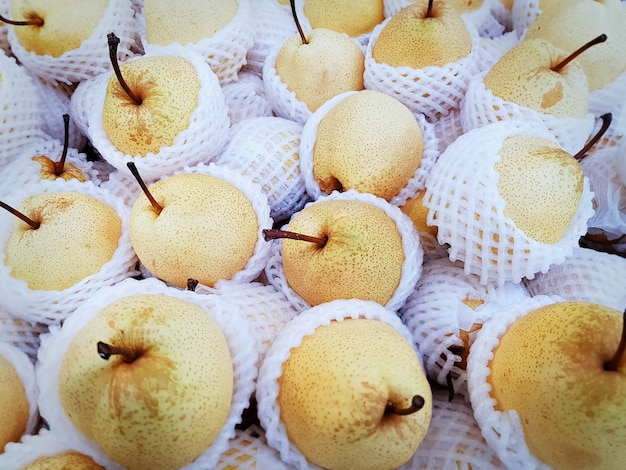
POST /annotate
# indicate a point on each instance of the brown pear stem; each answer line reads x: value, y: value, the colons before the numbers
x: 114, y: 41
x: 613, y: 363
x: 429, y: 10
x: 272, y: 234
x: 450, y: 385
x: 133, y: 169
x: 19, y: 215
x: 35, y: 21
x: 192, y: 284
x: 558, y: 67
x: 106, y: 350
x: 297, y: 21
x: 417, y: 403
x: 60, y: 165
x: 606, y: 122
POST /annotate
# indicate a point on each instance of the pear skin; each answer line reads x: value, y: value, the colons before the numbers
x: 65, y: 461
x: 14, y: 406
x: 418, y: 213
x: 345, y: 16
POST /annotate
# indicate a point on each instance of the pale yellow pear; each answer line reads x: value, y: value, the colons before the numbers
x: 550, y: 368
x: 335, y: 391
x: 64, y: 461
x: 369, y: 142
x: 541, y: 184
x: 417, y: 39
x: 345, y: 16
x: 150, y: 379
x: 14, y: 405
x: 329, y: 64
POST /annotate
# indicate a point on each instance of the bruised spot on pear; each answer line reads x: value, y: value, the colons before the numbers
x: 552, y: 97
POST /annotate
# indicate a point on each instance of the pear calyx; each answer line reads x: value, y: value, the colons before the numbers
x: 613, y: 363
x: 606, y: 122
x: 33, y: 21
x: 155, y: 205
x: 297, y: 21
x: 106, y: 350
x: 33, y: 224
x: 271, y: 234
x: 417, y: 403
x: 113, y: 42
x: 599, y: 39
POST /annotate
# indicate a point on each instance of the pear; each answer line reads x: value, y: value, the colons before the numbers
x: 353, y: 19
x: 72, y: 460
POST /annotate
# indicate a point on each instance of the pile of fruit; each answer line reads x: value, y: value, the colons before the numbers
x: 385, y: 234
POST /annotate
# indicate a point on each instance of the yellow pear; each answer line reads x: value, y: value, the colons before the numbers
x: 345, y: 16
x: 150, y: 379
x: 14, y: 404
x: 353, y: 392
x: 415, y: 209
x: 558, y: 368
x: 369, y: 142
x: 64, y: 461
x: 542, y: 185
x: 423, y: 34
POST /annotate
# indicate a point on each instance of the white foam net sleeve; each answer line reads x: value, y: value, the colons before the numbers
x: 53, y: 306
x: 430, y: 91
x: 21, y: 333
x: 587, y: 276
x: 523, y: 13
x: 413, y: 252
x: 463, y: 202
x: 266, y: 149
x: 55, y: 345
x: 492, y: 48
x: 611, y: 99
x: 84, y: 101
x: 480, y: 106
x: 245, y: 98
x: 249, y: 450
x: 91, y: 57
x: 5, y: 10
x: 453, y: 440
x: 202, y: 141
x: 435, y: 313
x: 502, y: 430
x: 305, y: 323
x: 448, y: 128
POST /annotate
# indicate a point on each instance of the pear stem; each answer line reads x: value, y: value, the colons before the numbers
x: 60, y: 165
x: 155, y: 205
x: 429, y: 10
x: 35, y: 21
x: 450, y: 385
x: 106, y: 350
x: 613, y: 363
x: 34, y: 225
x: 417, y: 403
x: 558, y: 67
x: 113, y: 42
x: 606, y: 122
x: 295, y: 18
x: 272, y: 234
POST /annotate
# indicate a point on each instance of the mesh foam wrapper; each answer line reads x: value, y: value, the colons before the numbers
x: 413, y: 252
x: 5, y: 10
x: 55, y: 344
x: 245, y: 98
x: 491, y: 49
x: 435, y: 313
x: 249, y: 450
x: 20, y: 109
x: 588, y: 276
x: 480, y: 106
x: 502, y: 430
x: 430, y: 91
x: 266, y: 149
x: 523, y: 13
x: 25, y: 369
x: 21, y: 333
x: 24, y: 170
x: 53, y: 306
x: 611, y: 98
x: 123, y: 186
x: 200, y: 142
x: 453, y: 440
x: 91, y: 57
x: 268, y: 409
x: 414, y: 184
x: 225, y: 51
x: 462, y: 187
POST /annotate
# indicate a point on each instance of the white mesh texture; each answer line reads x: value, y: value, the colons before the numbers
x: 92, y: 56
x: 523, y: 13
x: 249, y: 450
x: 21, y: 333
x: 491, y: 49
x: 463, y: 202
x: 245, y: 98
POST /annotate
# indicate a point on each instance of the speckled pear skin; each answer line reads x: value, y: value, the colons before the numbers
x: 64, y: 461
x: 14, y: 406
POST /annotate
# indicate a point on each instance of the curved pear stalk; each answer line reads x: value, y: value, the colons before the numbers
x: 113, y: 42
x: 33, y: 224
x: 271, y: 234
x: 613, y: 363
x: 417, y: 403
x: 606, y: 122
x: 133, y: 169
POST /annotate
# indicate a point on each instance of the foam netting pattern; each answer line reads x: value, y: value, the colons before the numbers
x: 21, y: 333
x: 610, y: 99
x: 53, y: 306
x: 225, y: 51
x: 55, y: 345
x: 523, y: 13
x: 587, y: 276
x: 245, y: 98
x: 431, y: 91
x: 502, y: 430
x: 202, y: 141
x: 20, y: 114
x: 268, y: 409
x: 413, y: 252
x: 464, y: 204
x: 435, y: 313
x: 414, y: 184
x: 267, y: 150
x: 480, y: 106
x: 448, y: 128
x: 91, y: 57
x: 24, y: 170
x: 248, y: 450
x: 453, y: 440
x: 5, y: 10
x: 491, y: 49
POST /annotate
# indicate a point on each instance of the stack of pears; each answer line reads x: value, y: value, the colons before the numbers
x: 323, y: 220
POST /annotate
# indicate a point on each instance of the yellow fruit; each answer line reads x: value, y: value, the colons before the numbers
x: 14, y: 406
x: 65, y: 461
x: 418, y: 213
x: 345, y: 16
